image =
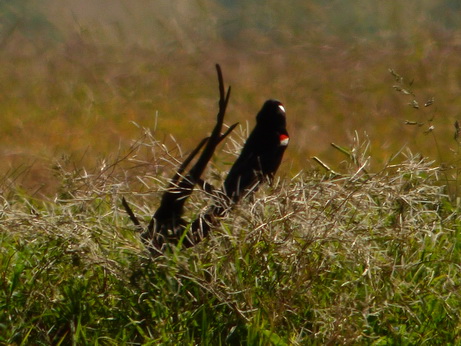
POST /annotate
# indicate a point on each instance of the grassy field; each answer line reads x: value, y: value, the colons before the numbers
x: 99, y: 103
x: 75, y: 78
x: 357, y: 258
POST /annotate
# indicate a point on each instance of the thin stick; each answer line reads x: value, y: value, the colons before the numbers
x: 130, y: 213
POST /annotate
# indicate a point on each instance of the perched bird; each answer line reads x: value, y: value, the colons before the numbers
x: 258, y: 162
x: 262, y: 153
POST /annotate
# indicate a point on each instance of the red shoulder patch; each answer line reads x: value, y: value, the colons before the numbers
x: 284, y: 139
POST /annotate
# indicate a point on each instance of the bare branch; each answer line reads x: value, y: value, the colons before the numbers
x: 186, y: 162
x: 130, y: 213
x: 227, y: 133
x: 167, y: 223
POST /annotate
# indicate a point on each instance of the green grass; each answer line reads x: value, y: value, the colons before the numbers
x: 357, y: 258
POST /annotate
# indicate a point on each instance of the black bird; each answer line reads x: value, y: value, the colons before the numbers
x: 259, y: 160
x: 262, y: 153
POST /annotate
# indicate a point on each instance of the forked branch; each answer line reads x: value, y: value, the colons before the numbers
x: 167, y: 224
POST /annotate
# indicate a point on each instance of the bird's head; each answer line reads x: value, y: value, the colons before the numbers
x: 272, y: 116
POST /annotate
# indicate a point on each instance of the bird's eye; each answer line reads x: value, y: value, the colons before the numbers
x: 282, y: 108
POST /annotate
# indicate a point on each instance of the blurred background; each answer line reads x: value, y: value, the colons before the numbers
x: 76, y: 76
